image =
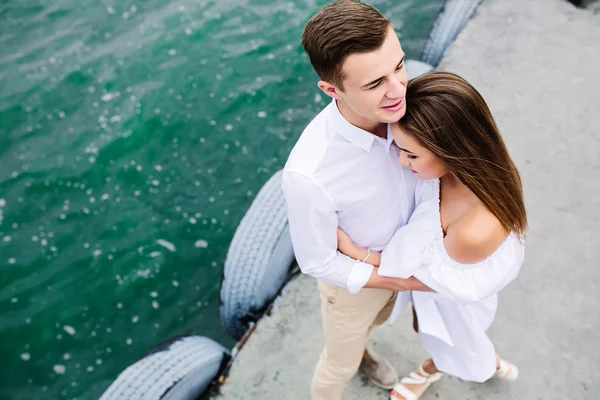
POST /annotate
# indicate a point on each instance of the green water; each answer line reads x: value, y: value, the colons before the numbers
x: 133, y: 137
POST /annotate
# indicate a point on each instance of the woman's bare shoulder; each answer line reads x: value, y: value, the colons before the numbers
x: 475, y: 237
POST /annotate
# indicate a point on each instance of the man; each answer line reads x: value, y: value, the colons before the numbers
x: 344, y: 172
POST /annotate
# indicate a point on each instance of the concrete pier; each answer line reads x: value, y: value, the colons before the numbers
x: 537, y: 64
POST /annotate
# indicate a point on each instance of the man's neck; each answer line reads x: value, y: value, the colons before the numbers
x: 376, y: 128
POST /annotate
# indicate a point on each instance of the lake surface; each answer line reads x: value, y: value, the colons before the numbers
x: 133, y: 137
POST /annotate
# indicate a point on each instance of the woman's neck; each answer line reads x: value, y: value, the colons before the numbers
x: 456, y: 202
x: 450, y: 180
x: 453, y: 186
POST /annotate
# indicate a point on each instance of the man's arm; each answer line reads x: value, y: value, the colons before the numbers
x: 313, y: 222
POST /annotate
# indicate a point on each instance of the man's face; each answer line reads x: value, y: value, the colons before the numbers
x: 375, y: 82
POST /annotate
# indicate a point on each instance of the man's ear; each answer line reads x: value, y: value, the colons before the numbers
x: 329, y: 89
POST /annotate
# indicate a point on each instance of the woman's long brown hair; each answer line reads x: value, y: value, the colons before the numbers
x: 448, y: 116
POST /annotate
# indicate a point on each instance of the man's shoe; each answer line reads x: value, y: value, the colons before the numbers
x: 379, y: 371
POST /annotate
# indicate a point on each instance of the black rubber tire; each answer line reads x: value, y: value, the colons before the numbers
x: 415, y: 68
x: 182, y: 368
x: 452, y: 18
x: 259, y: 261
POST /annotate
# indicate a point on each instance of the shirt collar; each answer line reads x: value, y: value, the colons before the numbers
x: 353, y: 134
x: 390, y: 137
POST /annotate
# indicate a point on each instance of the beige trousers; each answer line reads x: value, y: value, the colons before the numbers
x: 347, y: 323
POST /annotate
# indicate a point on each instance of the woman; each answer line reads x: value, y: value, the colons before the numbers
x: 465, y: 237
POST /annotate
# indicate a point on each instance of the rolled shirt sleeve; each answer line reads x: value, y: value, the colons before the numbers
x: 313, y: 227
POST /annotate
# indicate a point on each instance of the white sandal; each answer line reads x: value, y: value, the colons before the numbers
x: 414, y: 379
x: 506, y: 371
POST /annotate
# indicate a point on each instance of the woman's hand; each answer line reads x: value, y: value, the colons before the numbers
x: 348, y: 247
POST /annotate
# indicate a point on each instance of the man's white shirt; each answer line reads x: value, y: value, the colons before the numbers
x: 340, y: 175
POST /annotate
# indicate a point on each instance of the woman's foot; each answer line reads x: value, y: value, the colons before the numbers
x: 505, y: 370
x: 413, y: 386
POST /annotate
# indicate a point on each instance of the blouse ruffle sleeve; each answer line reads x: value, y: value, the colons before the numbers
x: 407, y: 249
x: 417, y: 249
x: 473, y: 282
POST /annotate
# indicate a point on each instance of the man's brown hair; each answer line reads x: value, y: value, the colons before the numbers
x: 339, y: 29
x: 447, y: 116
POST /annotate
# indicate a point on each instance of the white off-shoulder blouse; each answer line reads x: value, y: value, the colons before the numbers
x: 452, y: 321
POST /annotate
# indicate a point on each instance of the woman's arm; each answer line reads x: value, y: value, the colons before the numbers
x: 348, y: 247
x: 397, y: 284
x: 352, y: 250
